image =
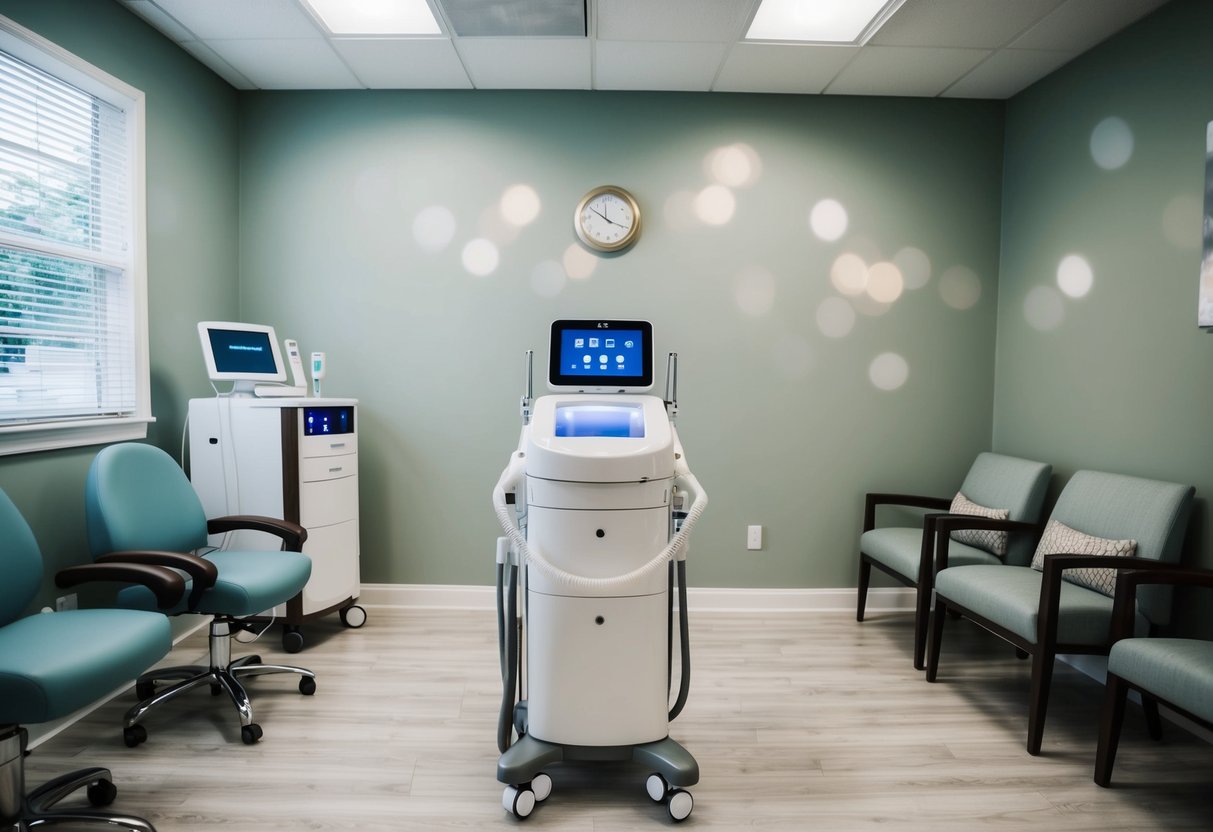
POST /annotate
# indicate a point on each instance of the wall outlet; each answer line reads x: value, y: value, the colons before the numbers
x: 753, y: 537
x: 65, y: 602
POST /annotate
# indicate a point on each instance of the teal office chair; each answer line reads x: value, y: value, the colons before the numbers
x: 1176, y: 671
x: 1062, y: 603
x: 1006, y: 485
x: 55, y: 663
x: 141, y: 508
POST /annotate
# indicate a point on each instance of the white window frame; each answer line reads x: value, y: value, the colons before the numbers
x: 39, y: 52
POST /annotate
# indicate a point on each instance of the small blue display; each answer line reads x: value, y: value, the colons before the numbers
x: 597, y: 420
x: 239, y: 351
x: 597, y: 353
x: 328, y: 421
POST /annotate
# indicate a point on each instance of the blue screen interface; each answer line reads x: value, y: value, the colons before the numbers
x: 238, y: 351
x: 595, y: 420
x: 327, y: 421
x: 601, y: 353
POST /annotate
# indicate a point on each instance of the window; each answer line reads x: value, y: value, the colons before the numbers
x: 73, y: 320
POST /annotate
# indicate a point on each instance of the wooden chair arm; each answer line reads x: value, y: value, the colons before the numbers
x: 945, y: 524
x: 167, y: 585
x: 292, y: 535
x: 202, y: 572
x: 1127, y: 582
x: 1050, y: 584
x: 874, y: 498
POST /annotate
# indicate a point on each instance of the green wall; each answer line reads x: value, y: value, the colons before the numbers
x: 1122, y: 379
x: 192, y: 231
x: 780, y: 422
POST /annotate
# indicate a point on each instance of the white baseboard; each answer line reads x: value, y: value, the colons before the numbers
x: 702, y: 599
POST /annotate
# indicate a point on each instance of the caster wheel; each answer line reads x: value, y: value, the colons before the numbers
x: 353, y: 616
x: 292, y: 641
x: 249, y: 734
x: 101, y: 793
x: 144, y: 690
x: 657, y: 787
x: 680, y: 805
x: 542, y: 787
x: 307, y: 685
x: 134, y: 735
x: 519, y: 801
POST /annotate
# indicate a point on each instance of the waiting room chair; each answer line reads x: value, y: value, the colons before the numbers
x: 1175, y: 671
x: 1012, y: 492
x: 1101, y: 522
x: 52, y: 664
x: 141, y: 508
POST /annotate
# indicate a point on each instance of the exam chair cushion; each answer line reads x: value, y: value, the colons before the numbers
x: 899, y: 548
x: 1010, y: 596
x: 1177, y: 670
x: 249, y: 582
x: 54, y: 663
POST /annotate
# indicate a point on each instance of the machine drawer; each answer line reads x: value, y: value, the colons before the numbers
x: 335, y: 445
x: 326, y: 502
x: 328, y: 467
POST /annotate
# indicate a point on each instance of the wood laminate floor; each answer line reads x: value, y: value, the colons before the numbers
x: 800, y: 721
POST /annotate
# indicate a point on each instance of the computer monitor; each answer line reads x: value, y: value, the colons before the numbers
x: 246, y: 354
x: 601, y: 356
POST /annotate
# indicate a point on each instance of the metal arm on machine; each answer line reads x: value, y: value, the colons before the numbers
x: 671, y: 386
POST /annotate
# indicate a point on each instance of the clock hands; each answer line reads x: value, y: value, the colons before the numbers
x: 608, y: 219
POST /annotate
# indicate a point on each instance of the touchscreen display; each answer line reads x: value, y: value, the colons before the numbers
x: 325, y: 421
x: 601, y: 353
x: 238, y: 351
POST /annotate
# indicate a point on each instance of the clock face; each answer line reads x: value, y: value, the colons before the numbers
x: 607, y: 219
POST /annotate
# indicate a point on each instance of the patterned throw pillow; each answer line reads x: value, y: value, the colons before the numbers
x: 1061, y: 539
x: 994, y: 542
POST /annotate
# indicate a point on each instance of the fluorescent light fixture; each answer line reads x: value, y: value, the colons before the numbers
x: 376, y: 17
x: 820, y: 21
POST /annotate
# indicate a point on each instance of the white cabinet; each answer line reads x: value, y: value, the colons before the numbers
x: 295, y: 459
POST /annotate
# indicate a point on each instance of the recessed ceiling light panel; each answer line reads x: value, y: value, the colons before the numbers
x: 820, y: 21
x: 376, y: 17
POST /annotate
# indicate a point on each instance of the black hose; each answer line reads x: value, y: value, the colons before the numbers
x: 669, y: 633
x: 684, y: 682
x: 509, y: 676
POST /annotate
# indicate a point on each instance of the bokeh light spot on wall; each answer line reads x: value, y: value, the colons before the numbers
x: 960, y: 287
x: 434, y: 228
x: 1074, y: 275
x: 519, y: 205
x: 480, y: 257
x: 679, y: 211
x: 915, y: 267
x: 734, y: 165
x: 548, y: 279
x: 1112, y: 143
x: 828, y: 219
x: 793, y: 357
x: 715, y: 205
x: 754, y: 291
x: 888, y: 371
x: 1044, y: 308
x: 493, y: 226
x: 849, y: 274
x: 835, y: 317
x: 578, y: 263
x: 1181, y: 221
x: 884, y: 282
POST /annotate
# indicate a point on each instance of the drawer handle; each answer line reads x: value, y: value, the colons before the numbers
x: 335, y: 470
x: 336, y: 444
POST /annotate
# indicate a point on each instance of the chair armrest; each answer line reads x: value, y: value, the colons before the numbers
x: 1170, y: 574
x: 202, y: 572
x: 167, y: 585
x: 1050, y: 584
x: 945, y: 524
x: 292, y: 534
x: 873, y: 499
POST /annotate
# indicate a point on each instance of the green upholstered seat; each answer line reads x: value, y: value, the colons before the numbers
x: 1177, y: 670
x: 898, y: 548
x: 249, y: 583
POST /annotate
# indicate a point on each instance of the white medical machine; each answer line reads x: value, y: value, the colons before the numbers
x: 597, y: 503
x: 271, y: 450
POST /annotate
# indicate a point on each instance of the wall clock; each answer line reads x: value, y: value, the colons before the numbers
x: 607, y: 219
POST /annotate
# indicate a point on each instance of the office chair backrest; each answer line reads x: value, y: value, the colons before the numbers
x: 1018, y: 485
x: 20, y: 562
x: 1119, y: 507
x: 137, y: 497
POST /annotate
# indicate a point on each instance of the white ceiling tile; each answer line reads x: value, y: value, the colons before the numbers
x: 711, y: 21
x: 227, y: 19
x: 632, y: 65
x: 1080, y: 24
x: 1006, y: 72
x: 414, y: 63
x: 287, y: 64
x: 154, y: 15
x: 904, y: 70
x: 217, y: 65
x: 782, y: 67
x: 978, y: 24
x: 526, y: 63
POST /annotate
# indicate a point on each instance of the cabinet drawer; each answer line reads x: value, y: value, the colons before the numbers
x: 334, y: 445
x: 328, y: 467
x: 326, y: 502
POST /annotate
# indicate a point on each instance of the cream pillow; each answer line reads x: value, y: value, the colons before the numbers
x: 993, y: 541
x: 1061, y: 539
